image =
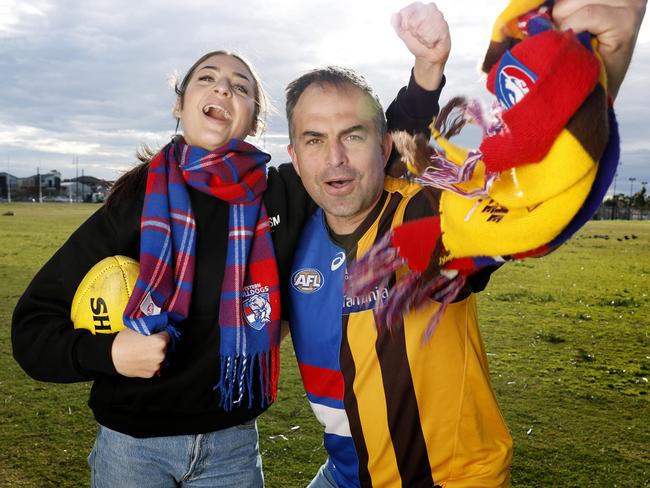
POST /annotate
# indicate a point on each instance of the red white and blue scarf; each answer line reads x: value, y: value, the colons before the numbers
x: 249, y: 312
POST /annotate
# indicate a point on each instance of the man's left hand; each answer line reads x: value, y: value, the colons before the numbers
x: 616, y: 25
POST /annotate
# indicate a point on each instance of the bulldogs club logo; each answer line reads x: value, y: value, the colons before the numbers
x: 513, y: 81
x: 256, y: 305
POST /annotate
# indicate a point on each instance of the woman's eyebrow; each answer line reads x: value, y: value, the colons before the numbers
x: 236, y: 73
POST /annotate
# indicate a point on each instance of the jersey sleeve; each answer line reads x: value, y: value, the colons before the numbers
x: 44, y: 342
x: 414, y: 108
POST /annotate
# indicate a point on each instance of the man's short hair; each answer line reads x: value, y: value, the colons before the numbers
x: 337, y: 77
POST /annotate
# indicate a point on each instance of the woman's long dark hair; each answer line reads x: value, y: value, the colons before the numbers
x: 132, y: 181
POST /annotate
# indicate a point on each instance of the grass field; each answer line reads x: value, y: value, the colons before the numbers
x: 567, y: 337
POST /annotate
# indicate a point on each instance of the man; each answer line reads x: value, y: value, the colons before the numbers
x: 396, y: 412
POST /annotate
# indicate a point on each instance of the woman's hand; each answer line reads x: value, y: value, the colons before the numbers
x: 139, y: 356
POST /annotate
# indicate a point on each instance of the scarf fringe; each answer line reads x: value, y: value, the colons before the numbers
x: 445, y: 296
x: 445, y: 174
x: 411, y: 291
x: 237, y: 378
x: 460, y: 111
x: 374, y: 269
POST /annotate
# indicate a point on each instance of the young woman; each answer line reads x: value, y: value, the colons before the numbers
x: 177, y: 401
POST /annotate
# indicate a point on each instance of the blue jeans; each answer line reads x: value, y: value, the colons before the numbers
x: 323, y: 479
x: 224, y: 458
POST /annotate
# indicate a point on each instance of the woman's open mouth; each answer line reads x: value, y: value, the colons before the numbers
x: 217, y: 112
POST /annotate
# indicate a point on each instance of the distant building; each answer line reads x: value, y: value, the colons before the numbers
x: 28, y: 188
x: 52, y: 188
x: 76, y: 191
x: 8, y: 185
x: 49, y: 181
x: 92, y: 189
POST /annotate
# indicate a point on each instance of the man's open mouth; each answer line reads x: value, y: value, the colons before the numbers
x: 338, y: 183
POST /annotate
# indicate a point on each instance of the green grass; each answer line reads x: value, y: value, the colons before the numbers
x: 567, y: 337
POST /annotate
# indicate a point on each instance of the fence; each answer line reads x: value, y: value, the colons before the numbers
x: 618, y: 213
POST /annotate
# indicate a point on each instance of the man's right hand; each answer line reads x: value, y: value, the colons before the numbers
x: 139, y: 356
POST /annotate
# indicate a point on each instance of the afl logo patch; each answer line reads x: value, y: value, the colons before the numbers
x: 307, y: 280
x: 513, y: 81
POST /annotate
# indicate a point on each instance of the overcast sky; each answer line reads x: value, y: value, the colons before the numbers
x: 88, y: 80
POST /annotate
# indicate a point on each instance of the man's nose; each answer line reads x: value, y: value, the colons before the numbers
x: 337, y: 153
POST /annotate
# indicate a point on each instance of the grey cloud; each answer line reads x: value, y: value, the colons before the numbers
x: 96, y: 72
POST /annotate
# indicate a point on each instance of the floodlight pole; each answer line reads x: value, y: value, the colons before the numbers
x: 76, y: 196
x: 643, y: 183
x: 615, y: 200
x: 40, y: 190
x: 632, y: 180
x: 8, y: 183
